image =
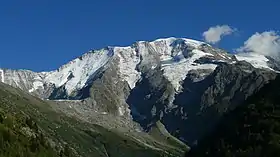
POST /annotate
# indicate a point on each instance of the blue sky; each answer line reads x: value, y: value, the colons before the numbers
x: 43, y: 35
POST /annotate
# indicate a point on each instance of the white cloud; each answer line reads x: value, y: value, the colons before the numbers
x: 266, y: 43
x: 214, y: 34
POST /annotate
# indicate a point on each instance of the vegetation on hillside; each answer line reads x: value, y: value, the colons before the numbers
x: 33, y: 128
x: 20, y: 137
x: 250, y: 130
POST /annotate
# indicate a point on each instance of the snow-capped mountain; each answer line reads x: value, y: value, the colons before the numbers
x: 176, y: 57
x: 166, y: 79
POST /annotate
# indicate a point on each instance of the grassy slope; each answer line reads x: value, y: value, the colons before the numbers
x: 85, y: 139
x: 159, y: 132
x: 19, y: 136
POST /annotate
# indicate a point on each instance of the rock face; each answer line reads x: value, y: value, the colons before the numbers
x: 251, y: 129
x: 202, y: 103
x: 185, y: 84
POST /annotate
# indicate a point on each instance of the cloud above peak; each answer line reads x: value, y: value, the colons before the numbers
x: 215, y: 34
x: 265, y: 43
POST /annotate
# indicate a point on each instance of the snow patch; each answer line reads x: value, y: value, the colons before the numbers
x: 2, y: 75
x: 104, y: 113
x: 256, y: 60
x: 223, y: 56
x: 36, y: 85
x: 176, y: 72
x: 153, y: 67
x: 170, y: 40
x: 128, y: 62
x: 121, y: 110
x: 194, y: 43
x: 163, y: 46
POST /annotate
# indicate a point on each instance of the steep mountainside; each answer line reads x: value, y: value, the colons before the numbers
x: 32, y: 127
x: 224, y: 89
x: 252, y: 129
x: 165, y: 80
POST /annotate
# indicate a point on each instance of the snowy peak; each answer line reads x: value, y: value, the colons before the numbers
x: 171, y: 46
x: 176, y: 57
x: 72, y: 76
x: 167, y: 51
x: 78, y: 72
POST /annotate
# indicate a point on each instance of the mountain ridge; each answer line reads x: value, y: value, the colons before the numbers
x: 166, y: 80
x: 164, y: 47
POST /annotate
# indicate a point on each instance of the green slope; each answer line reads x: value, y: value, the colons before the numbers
x: 251, y: 130
x: 71, y: 137
x: 159, y: 132
x: 19, y: 136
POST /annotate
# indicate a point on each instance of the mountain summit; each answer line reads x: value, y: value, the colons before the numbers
x: 167, y: 80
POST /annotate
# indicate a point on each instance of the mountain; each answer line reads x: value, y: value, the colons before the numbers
x: 251, y: 129
x: 183, y: 84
